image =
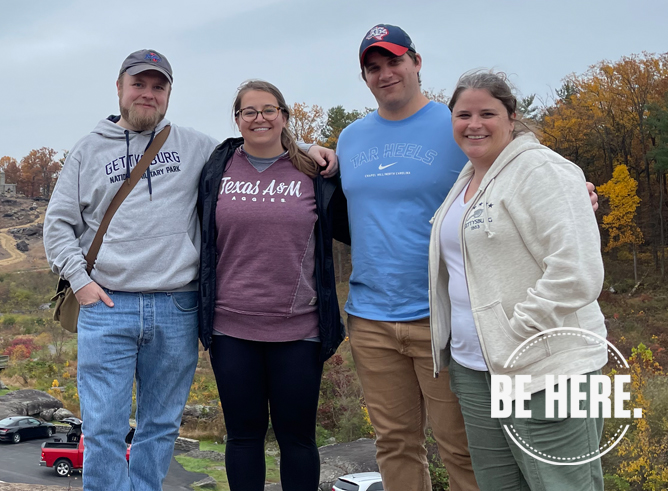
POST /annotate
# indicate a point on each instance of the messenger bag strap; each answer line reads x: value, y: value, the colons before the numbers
x: 123, y: 193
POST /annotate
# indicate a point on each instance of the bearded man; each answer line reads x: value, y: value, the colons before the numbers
x: 138, y: 306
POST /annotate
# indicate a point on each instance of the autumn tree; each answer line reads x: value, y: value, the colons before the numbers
x: 620, y: 222
x: 38, y: 171
x: 5, y: 161
x: 600, y: 119
x: 12, y: 172
x: 307, y: 122
x: 437, y: 96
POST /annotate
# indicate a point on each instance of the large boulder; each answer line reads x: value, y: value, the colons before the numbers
x: 5, y: 486
x: 47, y: 414
x: 27, y: 402
x: 62, y: 414
x: 199, y: 412
x: 186, y: 444
x: 207, y: 483
x: 340, y: 459
x: 346, y: 458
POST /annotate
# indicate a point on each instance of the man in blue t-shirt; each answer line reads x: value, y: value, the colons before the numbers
x: 397, y: 165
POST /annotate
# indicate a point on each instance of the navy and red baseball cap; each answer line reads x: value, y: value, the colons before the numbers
x: 392, y: 38
x: 144, y: 60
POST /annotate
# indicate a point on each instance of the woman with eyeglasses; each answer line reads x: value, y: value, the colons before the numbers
x: 268, y: 301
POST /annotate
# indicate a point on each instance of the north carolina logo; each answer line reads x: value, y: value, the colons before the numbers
x: 152, y: 57
x: 377, y: 32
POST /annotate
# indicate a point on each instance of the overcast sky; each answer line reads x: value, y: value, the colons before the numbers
x: 59, y: 59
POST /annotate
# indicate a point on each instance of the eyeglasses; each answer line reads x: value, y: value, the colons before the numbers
x: 249, y: 114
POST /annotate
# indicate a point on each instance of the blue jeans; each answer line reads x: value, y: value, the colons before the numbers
x: 150, y: 338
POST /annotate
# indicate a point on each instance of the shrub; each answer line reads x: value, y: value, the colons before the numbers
x: 341, y: 410
x: 612, y: 482
x: 644, y: 450
x: 321, y: 436
x: 21, y: 348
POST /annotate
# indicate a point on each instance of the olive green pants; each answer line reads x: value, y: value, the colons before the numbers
x: 498, y: 462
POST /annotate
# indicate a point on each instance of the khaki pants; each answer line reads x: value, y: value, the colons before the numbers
x: 394, y: 364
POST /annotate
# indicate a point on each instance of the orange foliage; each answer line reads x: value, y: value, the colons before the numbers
x: 38, y: 172
x: 306, y: 123
x: 620, y: 222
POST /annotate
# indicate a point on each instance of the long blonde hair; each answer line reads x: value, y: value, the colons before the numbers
x: 299, y: 158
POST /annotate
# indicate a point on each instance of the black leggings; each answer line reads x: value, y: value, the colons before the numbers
x: 253, y: 376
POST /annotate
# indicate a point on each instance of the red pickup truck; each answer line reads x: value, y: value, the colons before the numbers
x: 65, y: 457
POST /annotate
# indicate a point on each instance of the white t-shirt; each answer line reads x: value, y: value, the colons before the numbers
x: 464, y: 342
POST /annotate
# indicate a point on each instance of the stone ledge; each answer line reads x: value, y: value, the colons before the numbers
x: 5, y: 486
x: 185, y: 444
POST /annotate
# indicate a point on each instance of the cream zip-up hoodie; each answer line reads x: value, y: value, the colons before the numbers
x: 532, y: 257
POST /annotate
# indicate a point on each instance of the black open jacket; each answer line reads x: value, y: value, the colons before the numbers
x: 332, y: 222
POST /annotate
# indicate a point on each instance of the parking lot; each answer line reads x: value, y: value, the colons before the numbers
x: 19, y: 463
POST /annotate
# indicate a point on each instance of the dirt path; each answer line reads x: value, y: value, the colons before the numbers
x: 8, y: 243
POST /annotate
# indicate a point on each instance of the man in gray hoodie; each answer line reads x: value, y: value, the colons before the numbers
x: 138, y: 317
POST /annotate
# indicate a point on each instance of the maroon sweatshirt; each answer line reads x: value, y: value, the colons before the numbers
x: 266, y: 253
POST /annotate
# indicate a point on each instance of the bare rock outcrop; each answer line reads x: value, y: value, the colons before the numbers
x: 27, y: 402
x: 342, y: 458
x: 6, y: 486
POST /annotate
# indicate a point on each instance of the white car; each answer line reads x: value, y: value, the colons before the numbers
x: 362, y: 481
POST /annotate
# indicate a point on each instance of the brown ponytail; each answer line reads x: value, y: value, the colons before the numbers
x: 298, y: 157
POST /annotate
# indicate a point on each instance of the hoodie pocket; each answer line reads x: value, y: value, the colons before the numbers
x: 500, y: 341
x: 147, y: 263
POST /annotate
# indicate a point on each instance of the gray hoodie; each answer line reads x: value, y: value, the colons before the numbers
x: 532, y: 254
x: 152, y: 243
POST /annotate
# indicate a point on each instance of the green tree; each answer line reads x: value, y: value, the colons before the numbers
x: 526, y: 108
x: 657, y: 122
x: 337, y: 119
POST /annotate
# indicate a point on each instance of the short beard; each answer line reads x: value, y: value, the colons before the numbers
x: 141, y: 123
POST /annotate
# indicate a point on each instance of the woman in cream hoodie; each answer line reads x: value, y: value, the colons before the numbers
x: 515, y: 251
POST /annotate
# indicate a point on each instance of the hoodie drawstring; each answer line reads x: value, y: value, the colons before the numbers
x: 127, y: 162
x: 127, y: 155
x: 148, y: 171
x: 488, y: 189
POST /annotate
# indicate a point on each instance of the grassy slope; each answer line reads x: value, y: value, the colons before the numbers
x: 217, y: 469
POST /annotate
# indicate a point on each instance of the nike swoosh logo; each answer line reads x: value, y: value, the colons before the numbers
x: 381, y: 166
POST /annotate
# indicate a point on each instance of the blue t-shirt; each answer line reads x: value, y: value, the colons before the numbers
x: 395, y: 174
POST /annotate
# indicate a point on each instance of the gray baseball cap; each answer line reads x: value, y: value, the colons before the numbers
x: 147, y: 59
